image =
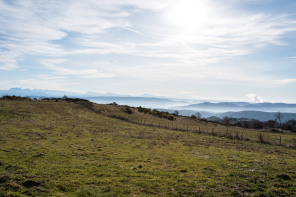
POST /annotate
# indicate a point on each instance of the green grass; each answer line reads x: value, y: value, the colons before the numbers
x: 285, y: 138
x: 65, y: 149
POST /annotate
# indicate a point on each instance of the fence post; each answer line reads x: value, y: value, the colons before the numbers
x: 237, y: 135
x: 261, y: 139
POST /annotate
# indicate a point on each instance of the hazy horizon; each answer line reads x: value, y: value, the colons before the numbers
x: 137, y: 99
x: 210, y: 50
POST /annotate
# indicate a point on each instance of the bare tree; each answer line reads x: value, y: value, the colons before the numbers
x: 279, y: 116
x: 176, y: 113
x: 198, y: 115
x: 226, y: 120
x: 290, y: 125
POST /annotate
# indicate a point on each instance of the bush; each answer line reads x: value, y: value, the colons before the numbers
x: 128, y: 110
x: 114, y: 103
x: 145, y: 110
x: 171, y: 118
x: 176, y: 113
x: 194, y: 117
x: 15, y: 98
x: 290, y: 125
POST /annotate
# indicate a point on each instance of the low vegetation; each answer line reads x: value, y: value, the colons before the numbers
x: 77, y: 148
x: 157, y: 113
x: 146, y: 116
x: 289, y: 125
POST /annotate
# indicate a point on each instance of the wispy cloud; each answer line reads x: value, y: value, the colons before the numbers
x: 8, y: 60
x: 285, y: 81
x: 135, y: 40
x: 51, y: 64
x: 36, y: 83
x: 292, y: 59
x: 33, y: 27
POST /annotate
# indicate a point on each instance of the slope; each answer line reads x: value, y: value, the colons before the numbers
x: 65, y: 149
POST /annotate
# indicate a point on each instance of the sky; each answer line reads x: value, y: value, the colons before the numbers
x: 235, y: 50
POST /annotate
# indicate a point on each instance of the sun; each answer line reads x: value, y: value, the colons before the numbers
x: 187, y: 14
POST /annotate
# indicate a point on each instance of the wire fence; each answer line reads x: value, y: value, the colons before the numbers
x: 259, y: 137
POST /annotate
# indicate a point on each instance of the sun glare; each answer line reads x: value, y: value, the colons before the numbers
x: 187, y: 14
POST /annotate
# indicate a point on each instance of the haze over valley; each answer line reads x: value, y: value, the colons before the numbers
x: 262, y: 111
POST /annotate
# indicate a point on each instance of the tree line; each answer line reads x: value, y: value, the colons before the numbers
x: 277, y: 124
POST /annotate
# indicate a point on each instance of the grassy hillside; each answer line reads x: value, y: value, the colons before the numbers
x: 184, y: 123
x: 66, y: 149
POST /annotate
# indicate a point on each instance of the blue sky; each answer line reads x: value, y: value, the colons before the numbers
x: 230, y: 50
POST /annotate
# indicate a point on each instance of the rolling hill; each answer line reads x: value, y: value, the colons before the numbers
x: 258, y: 115
x: 68, y: 149
x: 221, y: 107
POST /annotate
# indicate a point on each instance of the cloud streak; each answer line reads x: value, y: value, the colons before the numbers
x: 285, y: 81
x: 8, y: 60
x: 51, y: 64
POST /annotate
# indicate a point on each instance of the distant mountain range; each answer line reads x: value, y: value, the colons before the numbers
x: 104, y: 98
x: 258, y: 115
x: 49, y: 93
x: 241, y: 106
x: 259, y: 111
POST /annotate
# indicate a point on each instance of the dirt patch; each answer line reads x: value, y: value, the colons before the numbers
x: 30, y: 183
x: 284, y: 177
x: 4, y: 179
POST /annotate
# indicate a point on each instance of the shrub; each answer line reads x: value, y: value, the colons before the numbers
x: 15, y: 98
x: 290, y: 125
x: 145, y: 110
x: 128, y: 110
x: 171, y: 118
x: 176, y: 113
